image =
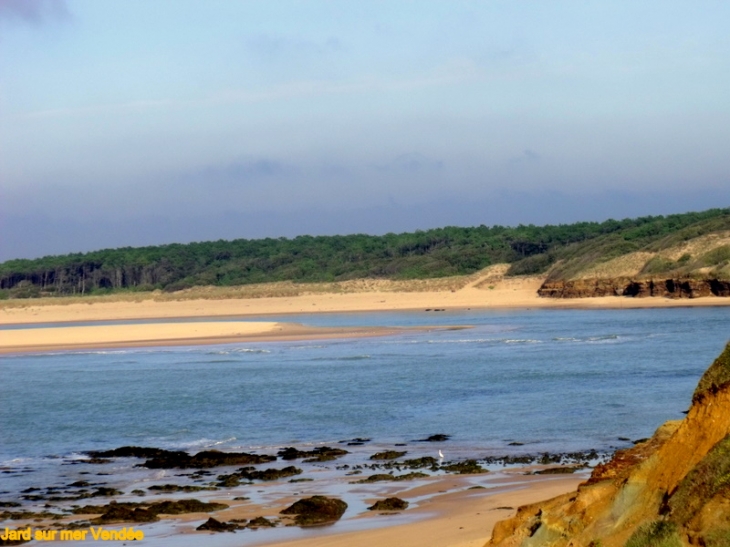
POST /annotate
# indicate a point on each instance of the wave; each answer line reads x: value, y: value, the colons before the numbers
x: 345, y: 358
x: 203, y: 443
x: 493, y: 341
x: 237, y: 350
x: 606, y: 338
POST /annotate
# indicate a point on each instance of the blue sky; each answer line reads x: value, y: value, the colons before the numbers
x: 144, y: 122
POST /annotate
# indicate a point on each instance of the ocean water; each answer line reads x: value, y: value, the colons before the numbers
x: 552, y: 380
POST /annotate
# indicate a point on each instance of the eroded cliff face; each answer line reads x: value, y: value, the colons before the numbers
x: 623, y: 286
x: 673, y: 490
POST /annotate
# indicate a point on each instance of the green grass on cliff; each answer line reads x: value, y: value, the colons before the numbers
x: 660, y: 533
x: 710, y: 477
x: 570, y: 261
x: 715, y: 377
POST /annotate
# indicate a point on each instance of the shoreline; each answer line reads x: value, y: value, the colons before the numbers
x: 506, y: 294
x: 446, y: 509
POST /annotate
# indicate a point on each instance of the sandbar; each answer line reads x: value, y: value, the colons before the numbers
x: 166, y: 334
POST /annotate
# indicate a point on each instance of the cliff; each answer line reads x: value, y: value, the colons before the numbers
x: 670, y: 491
x: 622, y: 286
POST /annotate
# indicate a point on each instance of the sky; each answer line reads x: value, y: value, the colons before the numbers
x: 154, y: 121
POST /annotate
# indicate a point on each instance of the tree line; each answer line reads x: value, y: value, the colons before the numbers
x: 415, y: 255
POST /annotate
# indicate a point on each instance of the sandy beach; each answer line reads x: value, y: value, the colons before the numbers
x: 479, y: 292
x: 463, y: 518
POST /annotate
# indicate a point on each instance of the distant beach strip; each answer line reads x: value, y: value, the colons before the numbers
x: 22, y: 340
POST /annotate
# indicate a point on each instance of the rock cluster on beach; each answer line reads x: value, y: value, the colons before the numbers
x: 672, y: 490
x: 234, y: 473
x: 316, y: 511
x: 158, y: 458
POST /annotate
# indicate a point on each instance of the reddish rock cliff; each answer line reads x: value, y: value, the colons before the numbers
x: 671, y: 491
x: 668, y: 288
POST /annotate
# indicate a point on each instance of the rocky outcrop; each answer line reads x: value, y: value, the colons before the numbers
x: 316, y: 511
x: 389, y: 504
x: 621, y: 286
x: 158, y: 458
x: 672, y: 490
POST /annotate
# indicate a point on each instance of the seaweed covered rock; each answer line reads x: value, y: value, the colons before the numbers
x: 261, y: 522
x: 252, y: 474
x: 389, y: 504
x: 319, y: 454
x: 145, y: 512
x: 316, y: 511
x: 437, y: 438
x: 214, y: 525
x: 205, y: 459
x: 121, y: 513
x: 384, y: 477
x: 388, y: 455
x: 468, y: 467
x: 158, y: 458
x: 132, y: 452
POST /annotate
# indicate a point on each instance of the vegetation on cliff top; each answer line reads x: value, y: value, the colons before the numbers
x: 716, y: 377
x: 423, y: 254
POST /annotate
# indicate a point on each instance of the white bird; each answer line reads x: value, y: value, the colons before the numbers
x: 441, y: 455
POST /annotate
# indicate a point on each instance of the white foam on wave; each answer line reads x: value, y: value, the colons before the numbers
x: 203, y: 443
x: 237, y: 350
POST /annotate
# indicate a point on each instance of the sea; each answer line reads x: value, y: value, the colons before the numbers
x: 512, y: 382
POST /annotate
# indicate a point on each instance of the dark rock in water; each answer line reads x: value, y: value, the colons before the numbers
x: 316, y: 511
x: 104, y: 491
x: 420, y: 463
x: 319, y: 454
x: 516, y: 444
x: 13, y: 541
x: 214, y: 525
x: 558, y: 470
x: 468, y: 467
x: 229, y: 481
x: 120, y: 513
x: 251, y: 474
x: 438, y: 438
x: 9, y: 504
x: 355, y: 442
x: 261, y: 522
x: 167, y: 488
x: 145, y: 512
x: 97, y: 460
x: 389, y: 504
x: 207, y: 458
x: 180, y: 507
x: 158, y: 458
x: 388, y: 455
x: 382, y: 477
x: 131, y: 452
